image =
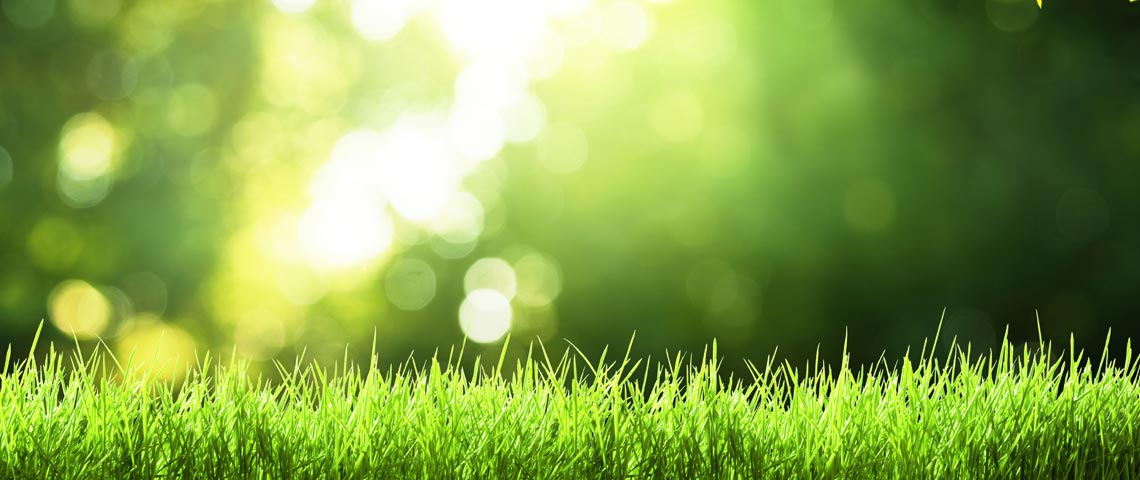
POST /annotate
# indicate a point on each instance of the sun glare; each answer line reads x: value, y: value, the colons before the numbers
x: 476, y: 131
x: 344, y: 231
x: 505, y: 29
x: 417, y: 174
x: 417, y: 171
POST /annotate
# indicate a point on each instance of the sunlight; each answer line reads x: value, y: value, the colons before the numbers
x: 406, y: 181
x: 343, y: 231
x: 351, y: 167
x: 417, y: 172
x: 383, y: 19
x: 504, y: 29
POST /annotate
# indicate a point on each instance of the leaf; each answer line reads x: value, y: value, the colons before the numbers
x: 1039, y: 3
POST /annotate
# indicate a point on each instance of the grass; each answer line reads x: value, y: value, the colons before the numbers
x: 1015, y: 413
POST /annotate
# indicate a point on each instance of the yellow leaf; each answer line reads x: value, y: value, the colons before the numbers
x: 1039, y: 3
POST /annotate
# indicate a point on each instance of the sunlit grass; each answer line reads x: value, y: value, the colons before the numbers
x: 1022, y: 412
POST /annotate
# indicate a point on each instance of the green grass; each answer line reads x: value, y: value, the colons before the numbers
x: 1018, y: 413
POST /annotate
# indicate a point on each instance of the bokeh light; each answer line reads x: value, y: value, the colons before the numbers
x: 491, y: 274
x: 563, y: 148
x: 157, y: 349
x: 539, y: 279
x: 485, y: 316
x: 523, y: 118
x: 343, y: 232
x: 499, y: 29
x: 447, y: 249
x: 461, y: 219
x: 410, y: 284
x: 625, y: 25
x: 383, y: 19
x: 578, y: 21
x: 304, y: 66
x: 87, y: 147
x: 417, y: 172
x: 147, y: 291
x: 294, y: 6
x: 79, y: 309
x: 191, y: 110
x: 301, y: 285
x: 476, y: 131
x: 259, y: 334
x: 54, y: 244
x: 88, y: 153
x: 112, y: 75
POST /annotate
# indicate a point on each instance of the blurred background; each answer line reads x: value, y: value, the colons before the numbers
x: 270, y: 177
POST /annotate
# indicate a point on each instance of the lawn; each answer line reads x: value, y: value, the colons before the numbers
x: 1021, y: 412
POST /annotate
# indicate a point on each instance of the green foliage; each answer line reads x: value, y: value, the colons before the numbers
x: 1021, y: 412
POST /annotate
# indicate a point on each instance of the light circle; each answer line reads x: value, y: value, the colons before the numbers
x: 410, y: 284
x: 485, y: 316
x: 491, y: 273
